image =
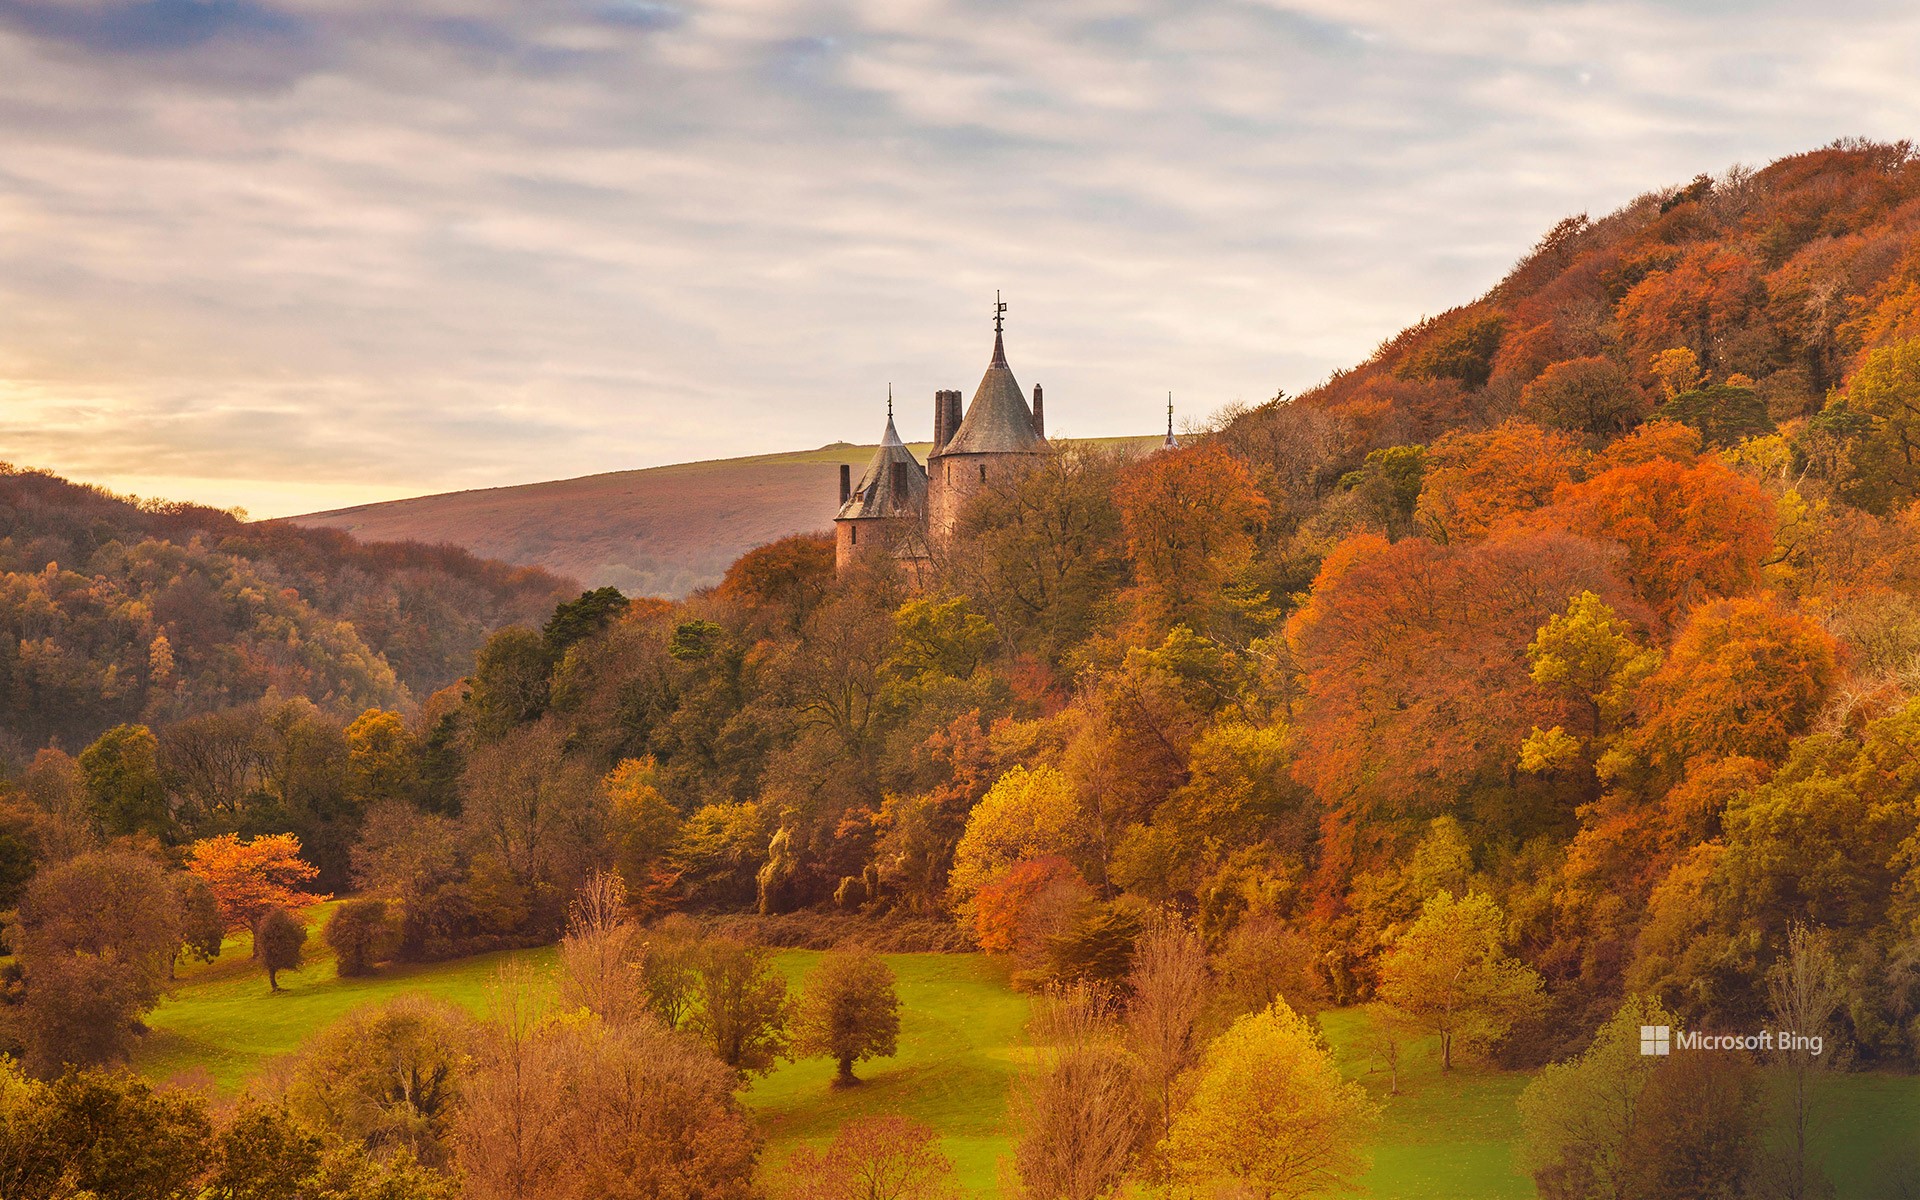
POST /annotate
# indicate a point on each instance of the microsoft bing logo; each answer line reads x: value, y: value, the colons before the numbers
x: 1656, y: 1039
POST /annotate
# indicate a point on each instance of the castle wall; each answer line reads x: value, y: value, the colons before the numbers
x: 953, y: 480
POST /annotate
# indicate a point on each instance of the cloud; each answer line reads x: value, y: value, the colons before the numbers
x: 256, y: 251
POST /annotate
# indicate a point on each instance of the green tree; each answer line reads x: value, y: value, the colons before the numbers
x: 1270, y: 1115
x: 1879, y: 420
x: 581, y: 618
x: 1589, y: 656
x: 511, y: 678
x: 124, y: 787
x: 1580, y: 1116
x: 848, y: 1011
x: 201, y: 929
x: 1450, y: 974
x: 100, y: 1136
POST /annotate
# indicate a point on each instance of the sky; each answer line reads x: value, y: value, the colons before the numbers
x: 292, y: 255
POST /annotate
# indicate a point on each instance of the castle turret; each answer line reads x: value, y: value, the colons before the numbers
x: 886, y: 508
x: 996, y: 439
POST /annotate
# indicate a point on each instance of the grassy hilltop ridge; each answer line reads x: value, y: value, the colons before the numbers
x: 660, y: 531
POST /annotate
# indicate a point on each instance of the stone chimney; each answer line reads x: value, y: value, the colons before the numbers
x: 846, y: 482
x: 1039, y: 412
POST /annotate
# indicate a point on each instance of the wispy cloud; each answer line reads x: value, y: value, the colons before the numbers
x: 296, y: 253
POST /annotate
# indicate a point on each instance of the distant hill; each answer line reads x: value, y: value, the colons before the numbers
x: 661, y: 531
x: 115, y: 610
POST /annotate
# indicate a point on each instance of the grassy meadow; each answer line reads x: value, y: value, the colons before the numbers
x: 1443, y: 1137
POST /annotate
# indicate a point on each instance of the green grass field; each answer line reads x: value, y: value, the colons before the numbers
x: 1443, y: 1137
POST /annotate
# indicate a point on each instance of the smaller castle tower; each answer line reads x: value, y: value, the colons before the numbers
x: 886, y: 511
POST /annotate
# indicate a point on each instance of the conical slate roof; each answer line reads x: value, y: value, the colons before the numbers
x: 998, y: 421
x: 878, y: 494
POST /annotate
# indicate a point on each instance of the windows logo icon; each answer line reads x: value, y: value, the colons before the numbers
x: 1656, y: 1039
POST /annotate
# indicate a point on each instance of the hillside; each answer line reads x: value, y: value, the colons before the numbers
x: 1736, y: 304
x: 115, y: 610
x: 661, y: 531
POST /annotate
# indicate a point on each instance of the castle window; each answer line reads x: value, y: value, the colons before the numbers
x: 983, y: 472
x: 855, y: 531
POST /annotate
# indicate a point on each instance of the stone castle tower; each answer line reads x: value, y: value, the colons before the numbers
x: 887, y: 509
x: 914, y: 511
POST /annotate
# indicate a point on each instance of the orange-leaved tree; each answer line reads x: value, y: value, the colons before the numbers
x: 1692, y: 532
x: 253, y: 878
x: 1745, y: 676
x: 1474, y: 481
x: 1189, y: 516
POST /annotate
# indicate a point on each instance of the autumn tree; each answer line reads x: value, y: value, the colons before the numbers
x: 100, y: 1135
x: 1691, y: 532
x: 280, y: 939
x: 1591, y: 395
x: 1805, y: 994
x: 387, y: 1077
x: 1878, y: 423
x: 383, y: 757
x: 1743, y: 678
x: 1077, y: 1107
x: 1024, y: 815
x: 644, y: 830
x: 600, y: 956
x: 360, y: 934
x: 886, y: 1157
x: 1621, y: 1120
x: 1475, y: 481
x: 1413, y: 665
x: 1190, y: 517
x: 1270, y: 1114
x: 1590, y: 656
x: 1450, y: 974
x: 1167, y: 993
x: 95, y: 938
x: 848, y: 1011
x: 741, y: 1008
x: 254, y: 877
x: 577, y: 1110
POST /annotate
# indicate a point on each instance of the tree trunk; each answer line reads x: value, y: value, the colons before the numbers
x: 845, y: 1078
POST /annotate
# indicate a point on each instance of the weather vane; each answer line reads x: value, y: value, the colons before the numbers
x: 999, y: 308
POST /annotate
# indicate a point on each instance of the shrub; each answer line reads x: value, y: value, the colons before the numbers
x: 360, y: 935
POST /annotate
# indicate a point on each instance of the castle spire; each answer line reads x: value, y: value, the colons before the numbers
x: 1169, y: 444
x: 999, y: 314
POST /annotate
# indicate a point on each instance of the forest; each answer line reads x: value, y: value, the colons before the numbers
x: 1569, y: 645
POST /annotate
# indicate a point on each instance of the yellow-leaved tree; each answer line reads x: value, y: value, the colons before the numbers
x: 1451, y: 975
x: 1269, y: 1115
x: 1024, y: 815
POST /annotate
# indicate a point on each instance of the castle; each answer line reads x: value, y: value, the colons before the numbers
x: 911, y: 511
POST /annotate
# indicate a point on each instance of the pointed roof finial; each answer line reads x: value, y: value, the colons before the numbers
x: 1170, y: 443
x: 890, y: 404
x: 999, y: 347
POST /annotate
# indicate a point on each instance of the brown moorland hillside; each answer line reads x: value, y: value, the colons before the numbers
x: 661, y: 531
